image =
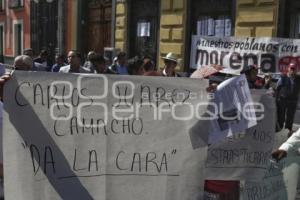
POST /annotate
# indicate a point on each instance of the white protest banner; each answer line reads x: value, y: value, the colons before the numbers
x: 269, y: 54
x: 234, y: 107
x: 245, y: 156
x: 70, y: 136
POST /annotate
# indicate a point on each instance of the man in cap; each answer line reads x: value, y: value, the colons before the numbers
x: 287, y: 92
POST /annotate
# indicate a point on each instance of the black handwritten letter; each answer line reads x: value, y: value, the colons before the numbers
x: 48, y: 152
x: 35, y: 155
x: 93, y: 159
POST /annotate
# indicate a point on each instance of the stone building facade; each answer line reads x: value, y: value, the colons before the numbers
x: 255, y: 18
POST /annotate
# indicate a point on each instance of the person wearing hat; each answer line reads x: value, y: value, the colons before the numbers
x: 170, y: 61
x: 286, y: 93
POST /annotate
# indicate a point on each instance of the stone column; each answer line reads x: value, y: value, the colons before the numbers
x: 172, y: 29
x: 120, y: 27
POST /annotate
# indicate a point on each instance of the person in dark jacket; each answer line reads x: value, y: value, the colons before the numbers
x: 135, y: 66
x: 254, y: 82
x: 43, y: 60
x: 170, y: 64
x: 120, y: 67
x: 287, y: 92
x: 59, y: 62
x: 98, y: 63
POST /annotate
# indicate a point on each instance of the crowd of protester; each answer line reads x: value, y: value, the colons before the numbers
x: 286, y: 89
x: 96, y: 63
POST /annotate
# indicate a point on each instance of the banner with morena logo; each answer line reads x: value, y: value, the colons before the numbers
x: 268, y: 54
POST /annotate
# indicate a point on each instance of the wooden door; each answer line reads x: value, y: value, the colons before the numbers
x: 98, y: 33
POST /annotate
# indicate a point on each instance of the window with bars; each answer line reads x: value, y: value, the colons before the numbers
x: 18, y: 38
x: 209, y: 18
x: 213, y: 17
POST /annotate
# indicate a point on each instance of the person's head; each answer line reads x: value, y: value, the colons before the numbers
x: 23, y: 62
x: 251, y: 72
x: 28, y: 52
x: 135, y: 66
x: 44, y: 55
x: 148, y: 64
x: 59, y: 59
x: 90, y: 54
x: 292, y: 70
x: 170, y: 61
x: 74, y: 59
x: 121, y: 58
x: 99, y: 63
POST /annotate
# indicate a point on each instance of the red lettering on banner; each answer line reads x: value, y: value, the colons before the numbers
x: 285, y: 61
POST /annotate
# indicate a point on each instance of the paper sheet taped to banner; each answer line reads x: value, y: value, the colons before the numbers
x: 234, y: 107
x: 245, y: 156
